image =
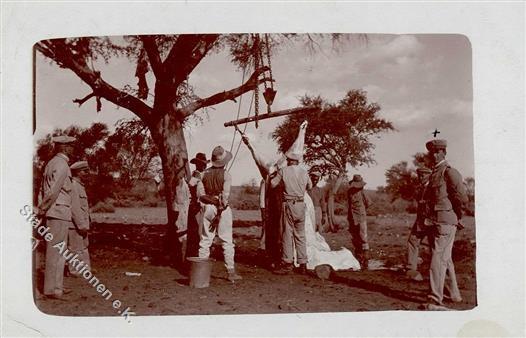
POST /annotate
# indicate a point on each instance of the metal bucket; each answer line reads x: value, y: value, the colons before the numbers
x: 200, y: 270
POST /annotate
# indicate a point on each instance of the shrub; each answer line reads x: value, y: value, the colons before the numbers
x: 103, y: 206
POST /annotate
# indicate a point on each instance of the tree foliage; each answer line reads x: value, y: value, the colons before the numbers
x: 338, y: 133
x: 402, y: 182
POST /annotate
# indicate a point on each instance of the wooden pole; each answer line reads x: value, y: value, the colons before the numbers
x: 304, y: 110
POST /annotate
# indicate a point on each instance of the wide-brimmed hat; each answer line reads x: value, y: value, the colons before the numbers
x: 200, y: 158
x: 357, y: 182
x: 63, y: 139
x: 293, y: 156
x: 220, y: 156
x: 79, y: 165
x: 437, y: 144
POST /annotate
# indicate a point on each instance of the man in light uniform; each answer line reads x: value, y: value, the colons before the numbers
x: 445, y: 196
x: 418, y: 231
x: 78, y: 233
x: 358, y: 202
x: 295, y: 182
x: 216, y: 183
x: 55, y: 206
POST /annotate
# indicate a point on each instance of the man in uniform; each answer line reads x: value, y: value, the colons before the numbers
x: 192, y: 243
x: 317, y: 195
x: 216, y: 183
x: 55, y: 206
x: 78, y: 233
x: 295, y: 183
x: 445, y: 197
x: 418, y: 231
x: 358, y: 203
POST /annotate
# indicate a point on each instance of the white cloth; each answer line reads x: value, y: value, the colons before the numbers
x: 318, y: 251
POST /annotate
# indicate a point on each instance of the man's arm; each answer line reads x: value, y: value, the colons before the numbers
x: 52, y: 185
x: 456, y: 190
x: 260, y: 162
x: 226, y: 188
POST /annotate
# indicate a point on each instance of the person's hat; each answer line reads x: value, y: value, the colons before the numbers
x: 357, y: 182
x: 199, y: 158
x: 220, y: 156
x: 423, y: 170
x: 293, y: 156
x: 80, y: 165
x: 434, y: 145
x: 63, y: 139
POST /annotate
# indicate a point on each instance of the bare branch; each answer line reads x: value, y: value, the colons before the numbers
x: 250, y: 84
x: 60, y: 52
x: 86, y: 98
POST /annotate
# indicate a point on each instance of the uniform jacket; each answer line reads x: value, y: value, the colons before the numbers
x: 56, y: 189
x: 357, y: 202
x: 296, y: 181
x: 445, y: 195
x: 79, y: 205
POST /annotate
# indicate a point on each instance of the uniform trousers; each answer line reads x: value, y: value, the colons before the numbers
x: 223, y: 231
x: 54, y: 273
x: 294, y: 232
x: 78, y: 245
x: 359, y: 235
x: 442, y: 270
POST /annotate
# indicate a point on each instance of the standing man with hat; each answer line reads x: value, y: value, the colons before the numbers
x: 317, y: 195
x: 55, y: 206
x: 192, y: 242
x: 358, y: 203
x: 445, y: 197
x: 418, y: 231
x: 78, y: 233
x: 295, y: 183
x: 216, y: 183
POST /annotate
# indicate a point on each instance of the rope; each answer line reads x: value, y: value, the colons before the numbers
x: 238, y: 112
x: 244, y: 130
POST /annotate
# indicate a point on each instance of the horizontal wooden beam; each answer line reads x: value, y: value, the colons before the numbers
x: 300, y: 110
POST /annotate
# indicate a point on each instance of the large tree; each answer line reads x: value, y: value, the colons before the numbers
x: 338, y: 135
x: 171, y: 59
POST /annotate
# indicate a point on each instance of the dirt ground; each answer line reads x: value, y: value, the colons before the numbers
x: 117, y: 248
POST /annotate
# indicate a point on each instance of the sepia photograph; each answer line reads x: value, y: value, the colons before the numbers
x: 253, y: 174
x: 261, y: 169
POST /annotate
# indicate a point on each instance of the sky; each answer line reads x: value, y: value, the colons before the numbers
x: 421, y: 82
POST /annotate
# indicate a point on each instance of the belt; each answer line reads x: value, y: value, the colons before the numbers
x: 293, y: 199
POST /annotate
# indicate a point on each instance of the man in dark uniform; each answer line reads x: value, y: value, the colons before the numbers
x: 445, y: 197
x: 192, y: 241
x: 418, y: 231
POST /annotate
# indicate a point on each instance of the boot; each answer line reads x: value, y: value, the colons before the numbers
x: 364, y: 260
x: 301, y: 269
x: 285, y: 269
x: 233, y: 276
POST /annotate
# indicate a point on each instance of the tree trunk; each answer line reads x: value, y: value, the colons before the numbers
x: 169, y: 138
x: 331, y: 194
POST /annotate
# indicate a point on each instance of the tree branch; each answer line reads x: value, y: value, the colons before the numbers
x: 60, y: 52
x: 152, y: 50
x: 86, y: 98
x: 250, y: 84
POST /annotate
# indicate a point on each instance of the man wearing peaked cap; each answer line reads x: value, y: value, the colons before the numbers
x: 418, y: 231
x: 216, y: 184
x: 55, y: 205
x: 445, y: 196
x: 78, y: 233
x: 296, y: 182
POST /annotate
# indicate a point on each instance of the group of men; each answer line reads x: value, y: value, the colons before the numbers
x: 63, y: 205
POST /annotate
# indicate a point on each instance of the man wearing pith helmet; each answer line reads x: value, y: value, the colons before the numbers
x: 78, y: 232
x: 216, y: 183
x: 445, y: 196
x: 55, y: 206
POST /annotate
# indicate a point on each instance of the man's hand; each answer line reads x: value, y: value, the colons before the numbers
x: 83, y: 232
x: 245, y: 139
